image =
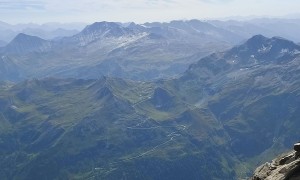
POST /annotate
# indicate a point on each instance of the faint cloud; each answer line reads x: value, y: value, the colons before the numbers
x: 21, y: 5
x: 216, y: 1
x: 138, y: 10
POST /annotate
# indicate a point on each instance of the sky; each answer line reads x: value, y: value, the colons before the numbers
x: 140, y: 11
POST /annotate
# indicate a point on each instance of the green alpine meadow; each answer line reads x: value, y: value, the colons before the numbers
x: 149, y: 90
x: 224, y: 115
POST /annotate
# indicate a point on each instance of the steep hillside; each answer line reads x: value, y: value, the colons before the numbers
x: 253, y: 90
x: 228, y: 113
x: 103, y: 129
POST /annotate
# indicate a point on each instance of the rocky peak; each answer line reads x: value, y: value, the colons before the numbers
x: 284, y: 167
x: 109, y: 29
x: 255, y: 52
x: 103, y: 30
x: 258, y: 40
x: 136, y: 27
x: 260, y: 49
x: 100, y: 27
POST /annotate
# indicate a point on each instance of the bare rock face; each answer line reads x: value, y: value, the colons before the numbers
x: 285, y: 167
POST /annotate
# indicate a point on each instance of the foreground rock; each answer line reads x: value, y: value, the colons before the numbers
x: 285, y: 167
x: 297, y: 147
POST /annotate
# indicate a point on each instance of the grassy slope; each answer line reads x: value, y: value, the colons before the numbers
x: 103, y: 129
x: 215, y: 122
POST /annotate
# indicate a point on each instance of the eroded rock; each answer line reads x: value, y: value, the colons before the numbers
x: 284, y: 167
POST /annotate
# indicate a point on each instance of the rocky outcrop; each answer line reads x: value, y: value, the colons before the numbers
x: 297, y: 147
x: 284, y: 167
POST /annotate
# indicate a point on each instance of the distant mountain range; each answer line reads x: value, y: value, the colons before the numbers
x: 269, y: 27
x: 133, y: 51
x: 287, y: 28
x: 46, y: 31
x: 106, y: 48
x: 225, y: 114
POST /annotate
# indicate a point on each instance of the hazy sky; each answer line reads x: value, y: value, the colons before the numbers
x: 40, y: 11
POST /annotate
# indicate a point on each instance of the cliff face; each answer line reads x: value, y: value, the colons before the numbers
x: 284, y: 167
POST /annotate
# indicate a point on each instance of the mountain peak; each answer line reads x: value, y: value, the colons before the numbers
x: 100, y: 27
x: 135, y: 26
x: 284, y: 42
x: 25, y: 37
x: 257, y: 40
x: 101, y: 30
x: 132, y: 24
x: 256, y: 51
x: 24, y: 43
x: 104, y: 24
x: 261, y: 48
x: 105, y: 30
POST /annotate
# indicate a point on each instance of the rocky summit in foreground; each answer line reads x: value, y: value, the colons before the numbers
x: 284, y: 167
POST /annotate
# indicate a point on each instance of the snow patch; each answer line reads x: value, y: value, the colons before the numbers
x: 264, y: 49
x: 284, y: 51
x: 105, y: 39
x: 296, y: 51
x: 287, y: 51
x: 125, y: 40
x: 14, y: 107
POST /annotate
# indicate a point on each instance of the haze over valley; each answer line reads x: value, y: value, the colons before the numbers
x: 200, y: 98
